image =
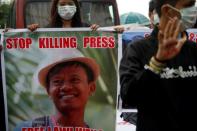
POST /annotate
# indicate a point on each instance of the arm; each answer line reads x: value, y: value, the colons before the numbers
x: 135, y: 80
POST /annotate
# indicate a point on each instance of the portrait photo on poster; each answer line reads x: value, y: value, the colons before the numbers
x: 55, y: 87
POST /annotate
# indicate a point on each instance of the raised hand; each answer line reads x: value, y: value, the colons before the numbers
x: 169, y: 44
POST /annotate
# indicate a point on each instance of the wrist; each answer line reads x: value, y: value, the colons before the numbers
x: 159, y: 59
x: 155, y: 65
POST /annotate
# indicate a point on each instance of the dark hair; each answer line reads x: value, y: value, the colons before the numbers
x: 56, y: 20
x: 160, y: 3
x: 57, y: 68
x: 151, y: 6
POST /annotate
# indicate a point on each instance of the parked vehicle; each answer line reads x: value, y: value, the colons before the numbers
x: 25, y: 12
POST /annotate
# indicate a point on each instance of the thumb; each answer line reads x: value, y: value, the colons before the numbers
x: 180, y: 44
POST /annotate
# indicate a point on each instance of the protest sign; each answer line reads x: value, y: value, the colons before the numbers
x: 27, y: 100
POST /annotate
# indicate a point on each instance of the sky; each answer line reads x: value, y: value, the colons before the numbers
x: 140, y: 6
x: 5, y: 0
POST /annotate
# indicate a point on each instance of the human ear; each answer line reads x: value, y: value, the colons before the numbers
x: 48, y: 91
x: 92, y: 88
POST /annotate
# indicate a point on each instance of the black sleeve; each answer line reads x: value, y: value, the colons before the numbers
x: 135, y: 80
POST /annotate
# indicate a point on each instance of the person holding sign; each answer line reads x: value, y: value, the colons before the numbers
x: 65, y: 14
x: 158, y: 74
x: 69, y: 79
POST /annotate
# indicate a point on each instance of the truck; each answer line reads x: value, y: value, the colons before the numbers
x: 26, y: 12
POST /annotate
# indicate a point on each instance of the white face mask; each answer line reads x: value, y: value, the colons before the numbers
x: 67, y: 12
x: 188, y: 17
x: 156, y: 18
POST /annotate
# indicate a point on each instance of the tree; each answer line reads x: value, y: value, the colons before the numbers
x: 4, y: 12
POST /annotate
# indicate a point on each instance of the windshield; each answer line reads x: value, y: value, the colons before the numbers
x: 97, y: 12
x: 100, y: 13
x: 38, y: 12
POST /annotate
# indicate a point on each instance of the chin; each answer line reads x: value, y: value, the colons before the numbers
x: 67, y: 107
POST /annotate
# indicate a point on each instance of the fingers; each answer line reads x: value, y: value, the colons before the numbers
x: 181, y: 42
x: 94, y: 27
x: 6, y: 29
x: 166, y: 30
x: 160, y: 36
x: 33, y: 27
x: 119, y: 29
x: 172, y: 28
x: 169, y: 43
x: 177, y: 30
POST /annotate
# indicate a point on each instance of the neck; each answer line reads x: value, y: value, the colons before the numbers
x: 67, y: 23
x: 71, y: 119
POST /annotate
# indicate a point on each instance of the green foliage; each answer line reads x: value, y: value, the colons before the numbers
x: 4, y: 12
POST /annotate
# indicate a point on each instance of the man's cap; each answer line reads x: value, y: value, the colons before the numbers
x: 57, y: 56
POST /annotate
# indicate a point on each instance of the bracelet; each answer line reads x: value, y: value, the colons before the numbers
x: 157, y: 63
x: 160, y: 61
x: 155, y: 67
x: 151, y: 69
